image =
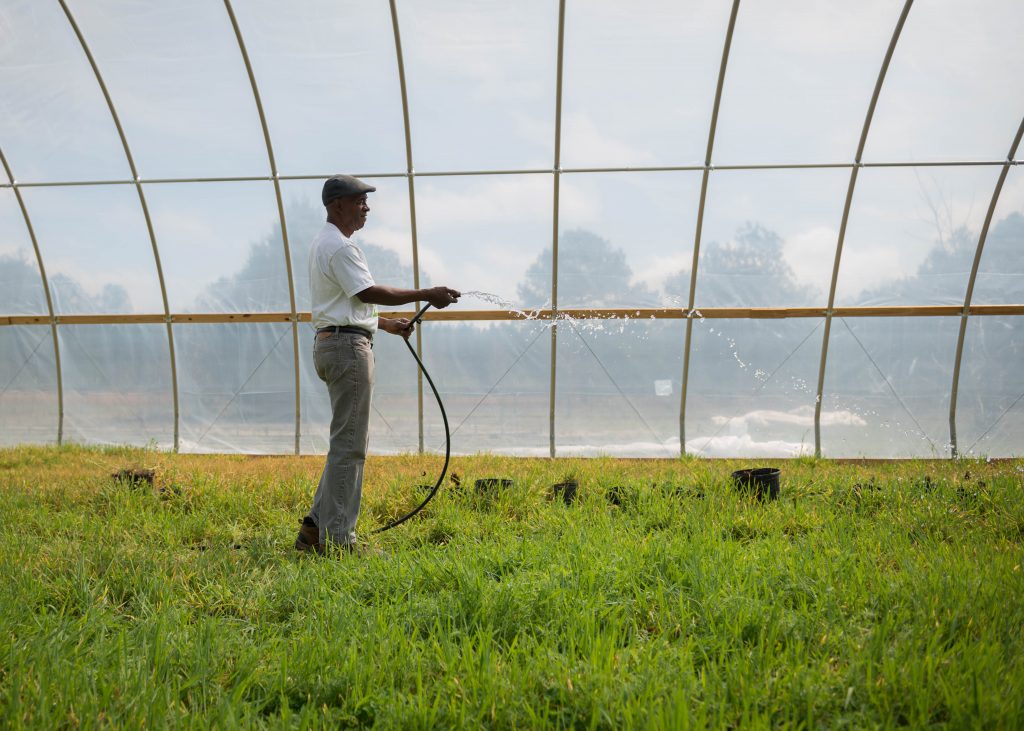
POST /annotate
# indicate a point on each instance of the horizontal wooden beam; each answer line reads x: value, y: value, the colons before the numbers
x: 153, y: 319
x: 456, y: 315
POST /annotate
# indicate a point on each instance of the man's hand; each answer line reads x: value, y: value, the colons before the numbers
x: 441, y: 297
x: 400, y: 326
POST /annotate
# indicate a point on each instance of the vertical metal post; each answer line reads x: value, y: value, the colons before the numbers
x: 145, y: 212
x: 410, y: 176
x: 280, y: 213
x: 955, y: 387
x: 846, y: 216
x: 557, y: 175
x: 700, y: 223
x: 46, y: 291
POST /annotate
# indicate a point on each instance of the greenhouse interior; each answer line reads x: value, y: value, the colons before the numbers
x: 722, y: 229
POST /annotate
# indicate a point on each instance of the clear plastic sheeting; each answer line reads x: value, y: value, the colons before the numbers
x: 615, y: 53
x: 21, y: 286
x: 912, y: 235
x: 481, y: 80
x: 950, y: 90
x: 990, y: 401
x: 752, y: 388
x: 618, y: 384
x: 893, y: 376
x: 800, y: 78
x: 28, y: 386
x: 328, y: 79
x: 234, y: 230
x: 626, y: 239
x: 55, y: 123
x: 487, y: 233
x: 117, y: 384
x: 603, y: 159
x: 494, y: 381
x: 176, y: 76
x: 769, y: 237
x: 236, y: 387
x: 96, y: 249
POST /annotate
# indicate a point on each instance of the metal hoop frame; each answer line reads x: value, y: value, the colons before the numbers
x: 145, y: 213
x: 955, y: 388
x: 846, y: 217
x: 295, y: 317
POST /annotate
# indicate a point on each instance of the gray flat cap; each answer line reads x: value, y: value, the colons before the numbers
x: 342, y: 186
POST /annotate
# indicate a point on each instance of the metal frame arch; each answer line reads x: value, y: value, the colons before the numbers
x: 46, y: 291
x: 557, y: 178
x: 846, y: 216
x: 410, y: 176
x: 700, y: 223
x: 145, y: 210
x: 280, y: 213
x: 982, y: 237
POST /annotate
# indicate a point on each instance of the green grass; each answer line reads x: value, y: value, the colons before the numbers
x: 886, y: 594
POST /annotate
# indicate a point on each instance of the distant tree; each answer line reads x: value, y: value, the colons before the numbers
x: 591, y: 273
x: 994, y: 346
x: 261, y: 283
x: 70, y: 296
x: 747, y: 271
x: 1004, y: 257
x: 21, y: 291
x: 942, y: 277
x: 21, y: 287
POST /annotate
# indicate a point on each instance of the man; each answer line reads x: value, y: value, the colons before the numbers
x: 344, y: 299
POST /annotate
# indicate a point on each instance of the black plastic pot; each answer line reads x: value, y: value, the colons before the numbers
x: 134, y: 477
x: 761, y: 482
x: 615, y: 494
x: 491, y: 485
x: 566, y: 490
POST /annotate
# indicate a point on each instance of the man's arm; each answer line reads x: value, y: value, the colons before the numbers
x: 379, y: 294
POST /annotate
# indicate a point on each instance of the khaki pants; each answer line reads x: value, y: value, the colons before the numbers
x: 344, y: 361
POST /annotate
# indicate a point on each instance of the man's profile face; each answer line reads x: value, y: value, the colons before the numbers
x: 352, y: 211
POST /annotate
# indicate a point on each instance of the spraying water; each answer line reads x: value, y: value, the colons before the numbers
x: 617, y: 325
x: 498, y: 301
x: 594, y: 326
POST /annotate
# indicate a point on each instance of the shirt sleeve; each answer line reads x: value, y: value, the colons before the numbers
x: 348, y: 268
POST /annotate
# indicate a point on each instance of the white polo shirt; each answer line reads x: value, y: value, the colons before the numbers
x: 337, y: 273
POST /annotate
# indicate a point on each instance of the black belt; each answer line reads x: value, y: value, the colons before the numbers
x: 346, y: 329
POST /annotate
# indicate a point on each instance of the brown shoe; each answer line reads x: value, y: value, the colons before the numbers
x: 309, y: 537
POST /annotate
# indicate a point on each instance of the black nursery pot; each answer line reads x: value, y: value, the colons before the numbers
x: 761, y: 482
x: 490, y: 485
x: 566, y: 490
x: 134, y: 478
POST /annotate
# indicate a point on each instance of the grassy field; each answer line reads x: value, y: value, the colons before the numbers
x: 867, y: 595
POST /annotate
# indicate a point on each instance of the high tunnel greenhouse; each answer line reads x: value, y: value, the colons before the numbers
x: 742, y: 228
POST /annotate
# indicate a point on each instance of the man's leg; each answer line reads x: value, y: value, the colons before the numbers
x: 345, y: 362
